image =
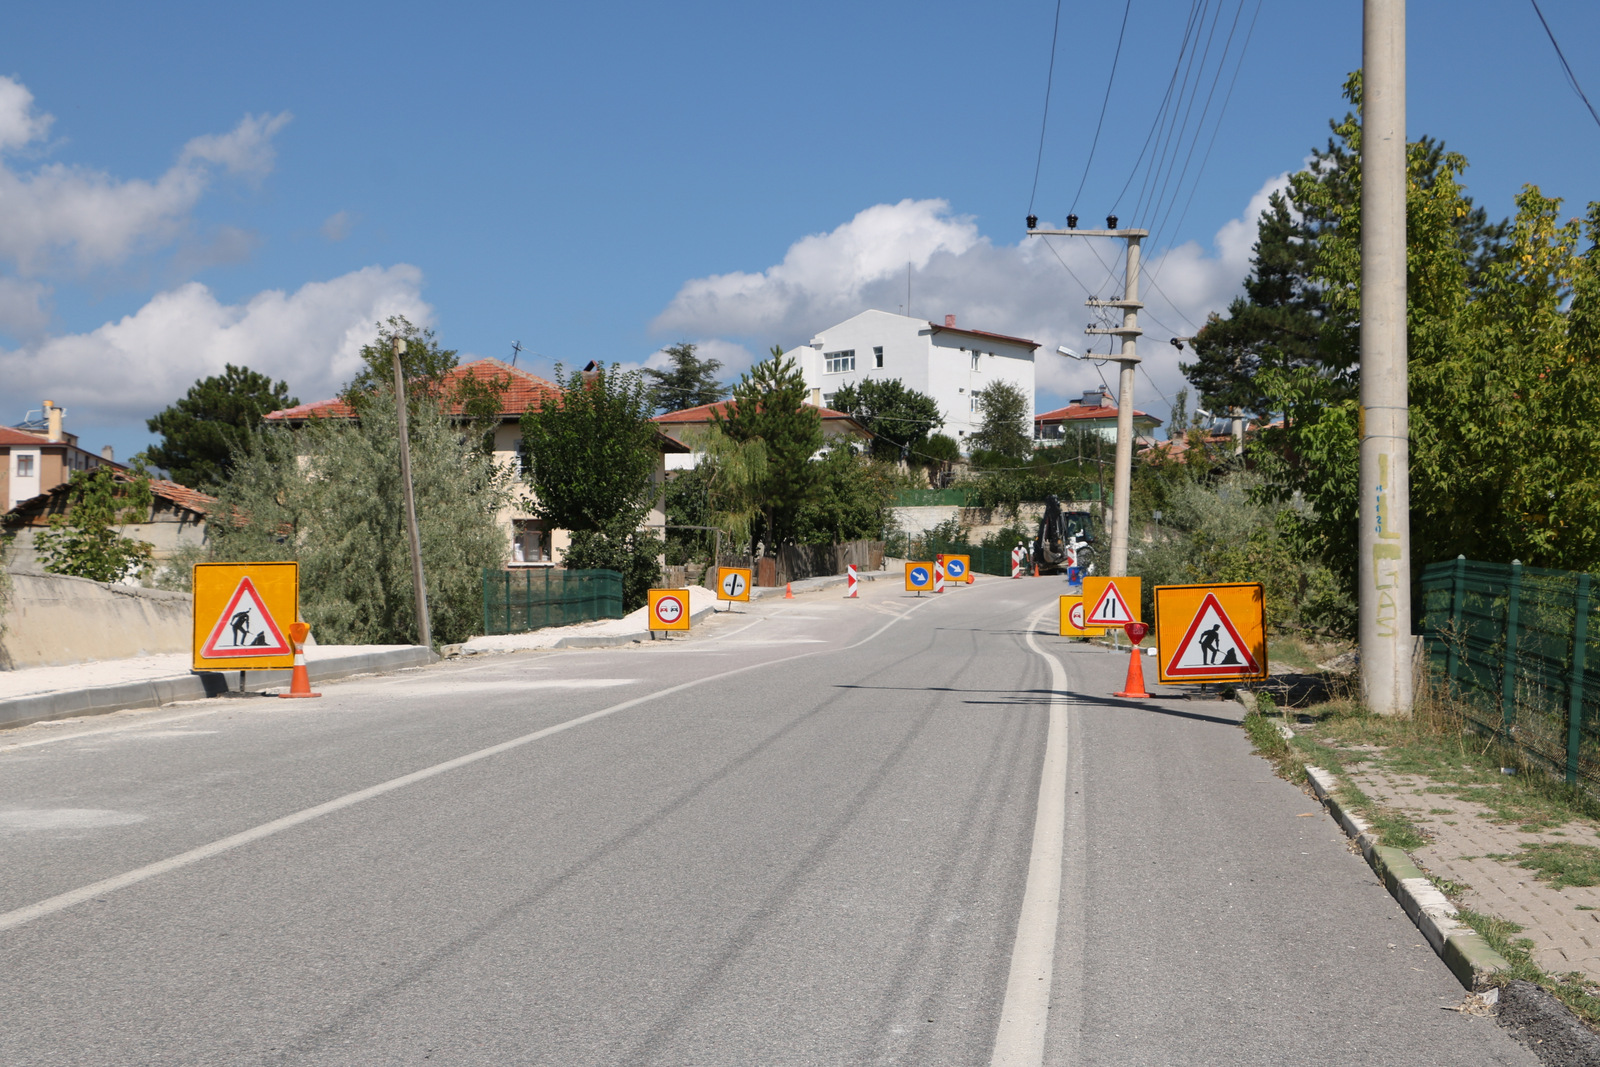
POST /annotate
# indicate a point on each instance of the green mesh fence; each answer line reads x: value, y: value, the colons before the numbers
x: 532, y: 598
x: 984, y: 560
x: 1514, y: 644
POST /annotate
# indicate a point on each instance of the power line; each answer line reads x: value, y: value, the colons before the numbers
x: 1103, y: 102
x: 1564, y: 64
x: 1174, y: 135
x: 1172, y: 83
x: 1048, y: 82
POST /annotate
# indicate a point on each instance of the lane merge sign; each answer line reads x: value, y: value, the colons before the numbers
x: 733, y: 583
x: 1211, y: 633
x: 1073, y: 621
x: 1111, y: 601
x: 958, y: 568
x: 669, y: 609
x: 919, y: 577
x: 242, y: 614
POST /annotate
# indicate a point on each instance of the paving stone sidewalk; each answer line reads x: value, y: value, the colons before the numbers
x: 1563, y: 924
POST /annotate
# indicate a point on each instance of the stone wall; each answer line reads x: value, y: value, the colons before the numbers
x: 53, y: 620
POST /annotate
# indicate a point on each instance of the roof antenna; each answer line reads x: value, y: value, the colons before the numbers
x: 516, y: 350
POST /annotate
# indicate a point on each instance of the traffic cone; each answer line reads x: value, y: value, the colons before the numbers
x: 788, y: 590
x: 300, y: 681
x: 1134, y: 685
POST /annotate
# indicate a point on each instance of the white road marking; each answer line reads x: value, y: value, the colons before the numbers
x: 1025, y: 1014
x: 61, y: 902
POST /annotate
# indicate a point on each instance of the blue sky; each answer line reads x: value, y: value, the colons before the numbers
x: 184, y: 185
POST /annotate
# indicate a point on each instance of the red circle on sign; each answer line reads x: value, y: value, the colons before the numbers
x: 669, y: 609
x: 1075, y: 615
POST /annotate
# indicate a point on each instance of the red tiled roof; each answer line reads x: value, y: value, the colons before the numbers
x: 9, y: 436
x: 703, y: 413
x: 523, y: 391
x: 182, y: 495
x: 937, y: 327
x: 1076, y: 411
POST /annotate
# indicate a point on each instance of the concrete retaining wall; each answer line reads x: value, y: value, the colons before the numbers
x: 54, y: 620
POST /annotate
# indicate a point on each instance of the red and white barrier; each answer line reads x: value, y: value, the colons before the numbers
x: 938, y: 574
x: 851, y: 582
x: 1016, y: 562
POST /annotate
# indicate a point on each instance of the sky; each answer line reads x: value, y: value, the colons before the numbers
x: 184, y: 186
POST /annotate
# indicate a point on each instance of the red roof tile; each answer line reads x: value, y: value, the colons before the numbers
x: 182, y: 495
x: 937, y: 327
x: 9, y: 436
x: 1076, y: 411
x: 523, y: 391
x: 703, y: 413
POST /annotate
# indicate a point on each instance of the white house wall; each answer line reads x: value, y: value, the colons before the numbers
x: 937, y: 362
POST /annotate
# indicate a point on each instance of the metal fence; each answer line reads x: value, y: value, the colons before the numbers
x: 532, y: 598
x: 1513, y: 643
x: 984, y: 560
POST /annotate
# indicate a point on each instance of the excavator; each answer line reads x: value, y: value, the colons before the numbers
x: 1065, y: 540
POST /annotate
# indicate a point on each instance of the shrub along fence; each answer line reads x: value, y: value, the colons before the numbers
x: 532, y: 598
x: 1514, y: 644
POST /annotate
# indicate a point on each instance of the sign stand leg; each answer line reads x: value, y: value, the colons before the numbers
x: 241, y: 681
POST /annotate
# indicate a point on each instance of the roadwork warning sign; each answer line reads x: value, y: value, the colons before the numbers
x: 669, y: 609
x: 919, y: 577
x: 1211, y: 633
x: 1111, y: 601
x: 242, y: 612
x: 733, y: 583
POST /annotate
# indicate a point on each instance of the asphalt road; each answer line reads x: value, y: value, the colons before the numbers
x: 805, y: 834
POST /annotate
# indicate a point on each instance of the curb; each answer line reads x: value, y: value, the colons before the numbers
x: 613, y: 640
x: 153, y: 692
x: 1462, y: 949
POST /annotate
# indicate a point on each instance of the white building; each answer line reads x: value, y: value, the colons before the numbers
x: 949, y: 363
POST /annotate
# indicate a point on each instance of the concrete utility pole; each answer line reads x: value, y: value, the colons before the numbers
x: 1129, y: 331
x: 424, y: 627
x: 1384, y: 524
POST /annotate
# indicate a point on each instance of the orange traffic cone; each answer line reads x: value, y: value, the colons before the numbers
x: 788, y: 590
x: 300, y: 682
x: 1134, y: 686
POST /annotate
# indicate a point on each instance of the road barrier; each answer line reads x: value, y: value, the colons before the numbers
x: 533, y: 598
x: 1512, y: 644
x: 851, y: 582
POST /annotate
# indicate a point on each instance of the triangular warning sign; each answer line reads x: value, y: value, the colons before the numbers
x: 245, y: 628
x: 1111, y: 609
x: 1212, y: 646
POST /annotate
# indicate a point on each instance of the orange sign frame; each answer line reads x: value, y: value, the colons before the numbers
x: 1237, y: 615
x: 218, y: 588
x: 1095, y: 590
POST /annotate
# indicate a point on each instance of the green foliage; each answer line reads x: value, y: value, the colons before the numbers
x: 690, y: 382
x: 1222, y: 531
x: 898, y: 418
x: 592, y: 454
x: 85, y: 543
x: 853, y: 500
x: 201, y: 431
x: 1007, y: 426
x: 769, y: 405
x: 426, y: 366
x: 329, y: 496
x: 631, y: 551
x: 723, y: 491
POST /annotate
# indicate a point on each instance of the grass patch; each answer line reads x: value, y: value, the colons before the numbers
x: 1571, y: 989
x: 1389, y: 824
x: 1270, y: 743
x: 1559, y: 863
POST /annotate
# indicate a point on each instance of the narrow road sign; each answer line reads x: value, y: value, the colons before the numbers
x: 1111, y: 601
x: 241, y: 614
x: 734, y: 583
x: 1211, y: 633
x: 919, y: 577
x: 669, y: 609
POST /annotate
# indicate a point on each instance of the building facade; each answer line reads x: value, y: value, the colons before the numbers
x: 949, y: 363
x: 40, y: 454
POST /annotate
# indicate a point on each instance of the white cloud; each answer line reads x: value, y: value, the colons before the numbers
x: 23, y: 306
x: 1019, y: 289
x: 55, y: 215
x: 337, y: 227
x: 129, y: 369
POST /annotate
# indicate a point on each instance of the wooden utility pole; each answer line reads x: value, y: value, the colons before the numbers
x: 424, y: 627
x: 1384, y: 522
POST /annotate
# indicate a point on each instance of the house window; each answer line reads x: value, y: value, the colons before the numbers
x: 530, y: 542
x: 975, y: 355
x: 839, y: 362
x: 827, y: 399
x: 877, y: 356
x: 25, y: 466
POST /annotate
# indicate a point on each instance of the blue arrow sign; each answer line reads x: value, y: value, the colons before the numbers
x: 955, y: 568
x: 919, y: 575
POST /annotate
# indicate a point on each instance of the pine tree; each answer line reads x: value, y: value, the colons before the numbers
x: 689, y: 383
x: 201, y: 432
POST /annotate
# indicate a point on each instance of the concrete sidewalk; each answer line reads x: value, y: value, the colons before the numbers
x: 39, y: 694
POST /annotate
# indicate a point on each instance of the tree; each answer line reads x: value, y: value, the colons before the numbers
x: 899, y: 419
x: 1007, y: 422
x: 328, y: 495
x: 202, y: 431
x: 723, y: 491
x: 853, y: 500
x: 940, y: 452
x: 690, y: 382
x: 592, y: 457
x: 769, y: 405
x: 85, y: 544
x: 427, y: 367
